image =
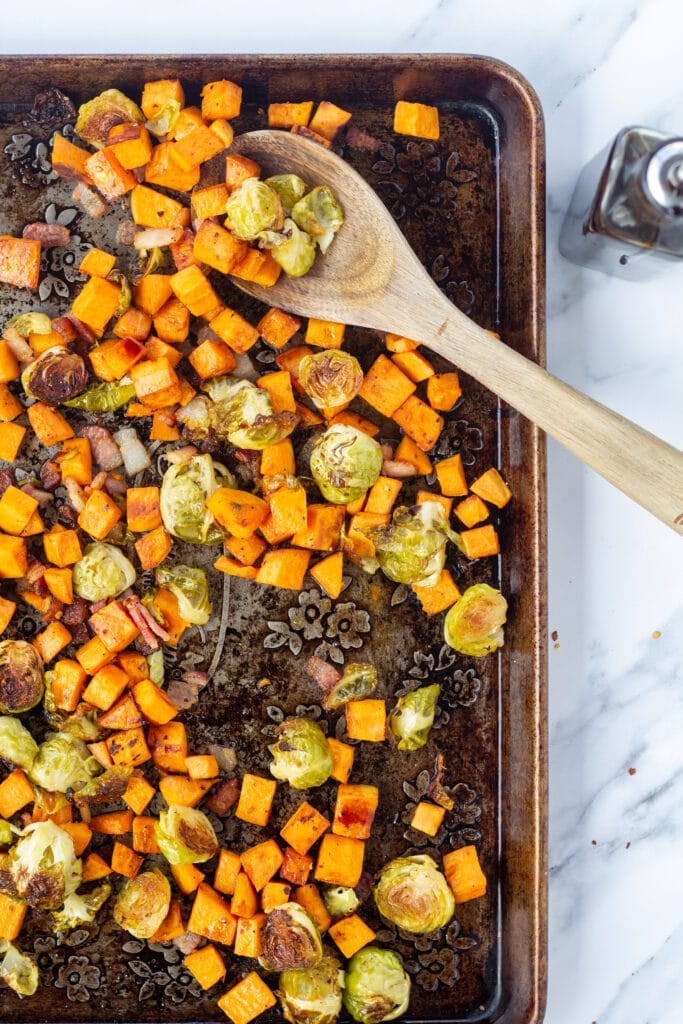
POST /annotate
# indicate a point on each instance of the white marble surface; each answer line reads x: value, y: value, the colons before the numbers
x: 616, y: 698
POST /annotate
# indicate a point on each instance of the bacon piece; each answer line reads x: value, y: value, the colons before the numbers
x: 6, y: 480
x: 357, y: 138
x: 187, y: 942
x: 125, y: 232
x: 146, y: 623
x: 184, y: 692
x: 62, y: 325
x: 322, y: 673
x: 76, y: 612
x: 49, y: 235
x: 224, y: 797
x: 93, y: 204
x: 398, y: 469
x: 50, y: 475
x: 181, y: 454
x: 83, y: 332
x: 105, y: 450
x: 114, y: 484
x: 17, y: 343
x: 42, y: 497
x: 33, y: 580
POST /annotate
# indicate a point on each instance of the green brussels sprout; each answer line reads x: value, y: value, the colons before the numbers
x: 21, y: 677
x: 156, y: 667
x: 80, y: 908
x: 30, y: 323
x: 18, y: 971
x: 376, y: 987
x: 320, y: 215
x: 105, y: 397
x: 252, y: 208
x: 340, y: 901
x: 164, y: 120
x: 291, y: 940
x: 414, y: 895
x: 16, y: 742
x: 55, y: 376
x: 143, y: 903
x: 81, y: 723
x: 474, y: 624
x: 344, y: 463
x: 185, y: 835
x: 42, y: 868
x: 292, y: 248
x: 6, y: 833
x: 98, y: 116
x: 62, y: 763
x: 411, y: 549
x: 243, y: 414
x: 289, y: 187
x: 330, y: 377
x: 105, y: 788
x: 102, y: 573
x: 185, y: 489
x: 312, y: 995
x: 195, y: 417
x: 301, y: 754
x: 413, y: 717
x: 358, y: 680
x: 191, y: 590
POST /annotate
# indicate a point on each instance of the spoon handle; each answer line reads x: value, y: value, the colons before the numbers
x: 645, y: 468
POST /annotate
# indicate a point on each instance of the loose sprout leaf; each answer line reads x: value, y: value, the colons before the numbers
x: 102, y: 573
x: 412, y: 718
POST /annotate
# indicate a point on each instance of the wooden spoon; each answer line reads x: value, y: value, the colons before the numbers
x: 372, y: 278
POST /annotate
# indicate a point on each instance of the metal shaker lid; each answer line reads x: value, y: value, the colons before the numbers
x: 664, y: 177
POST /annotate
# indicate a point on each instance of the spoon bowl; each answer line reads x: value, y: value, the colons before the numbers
x: 370, y: 277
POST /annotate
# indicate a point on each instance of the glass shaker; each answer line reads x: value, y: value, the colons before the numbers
x: 626, y: 214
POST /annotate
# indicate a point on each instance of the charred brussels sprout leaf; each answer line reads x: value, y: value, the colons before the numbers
x: 30, y: 323
x: 185, y: 835
x: 292, y: 248
x: 413, y: 717
x: 291, y: 940
x: 17, y: 970
x: 191, y: 591
x: 243, y: 414
x: 252, y: 208
x: 289, y: 187
x: 103, y: 572
x: 185, y: 490
x: 344, y: 463
x: 105, y: 397
x: 104, y: 788
x: 42, y: 868
x: 143, y: 904
x: 414, y: 895
x: 62, y: 763
x: 80, y: 908
x: 411, y: 549
x: 301, y: 754
x: 164, y: 120
x: 16, y: 742
x: 98, y: 116
x: 474, y: 625
x: 21, y: 677
x: 312, y: 995
x: 6, y: 833
x: 320, y: 215
x: 330, y: 377
x: 376, y: 987
x: 340, y: 901
x: 358, y: 680
x: 55, y: 376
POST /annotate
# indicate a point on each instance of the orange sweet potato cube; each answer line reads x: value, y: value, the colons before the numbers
x: 386, y: 387
x: 19, y: 261
x: 100, y: 515
x: 416, y: 119
x: 420, y: 422
x: 206, y: 965
x: 142, y: 509
x: 234, y: 330
x: 256, y: 799
x: 247, y: 999
x: 351, y: 934
x: 304, y: 828
x: 286, y: 115
x: 108, y: 175
x: 262, y: 862
x: 96, y: 303
x: 328, y: 119
x: 222, y: 99
x: 340, y: 860
x: 354, y: 810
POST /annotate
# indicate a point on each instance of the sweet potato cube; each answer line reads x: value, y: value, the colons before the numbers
x: 209, y: 201
x: 155, y: 705
x: 19, y: 261
x: 492, y: 488
x: 7, y: 610
x: 217, y: 247
x: 285, y: 115
x: 94, y: 868
x: 112, y: 823
x: 11, y: 436
x: 206, y: 965
x: 324, y: 333
x: 239, y: 512
x: 16, y: 509
x: 128, y: 747
x: 237, y: 169
x: 408, y: 451
x: 108, y: 175
x: 196, y: 147
x: 62, y: 547
x: 310, y: 899
x: 114, y: 627
x: 274, y: 894
x: 97, y: 263
x: 416, y: 119
x: 138, y: 793
x: 49, y: 426
x: 256, y: 799
x: 100, y: 515
x: 68, y: 161
x: 340, y: 860
x: 382, y: 495
x: 288, y: 510
x: 133, y: 324
x: 246, y: 550
x: 156, y: 95
x: 164, y: 170
x: 123, y: 714
x: 439, y: 597
x: 105, y: 687
x: 96, y: 303
x: 10, y: 407
x: 427, y: 818
x: 202, y: 766
x: 131, y: 144
x: 354, y: 810
x: 471, y: 510
x: 386, y: 387
x: 443, y: 391
x: 93, y: 655
x: 414, y: 365
x: 53, y: 639
x: 423, y: 496
x: 221, y: 99
x: 351, y: 934
x: 179, y: 789
x: 420, y: 422
x: 228, y: 868
x: 142, y: 509
x: 479, y: 542
x: 152, y: 209
x: 172, y: 927
x: 124, y: 861
x: 247, y: 999
x: 9, y: 367
x: 285, y: 568
x: 113, y: 358
x: 244, y: 902
x: 153, y: 548
x: 366, y: 720
x: 212, y: 359
x: 277, y: 327
x: 172, y: 321
x: 152, y: 292
x: 187, y: 877
x: 156, y: 383
x: 211, y: 917
x: 451, y: 476
x: 233, y: 568
x: 463, y: 874
x: 304, y: 828
x: 296, y: 867
x: 234, y: 330
x: 144, y: 835
x: 13, y: 558
x: 323, y: 528
x: 12, y: 914
x: 15, y: 792
x: 192, y: 288
x: 189, y: 118
x: 278, y: 459
x: 328, y: 119
x: 249, y: 936
x: 328, y: 573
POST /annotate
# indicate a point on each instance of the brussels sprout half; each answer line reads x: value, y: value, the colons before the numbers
x: 102, y: 573
x: 191, y: 590
x: 376, y: 987
x: 411, y: 549
x: 301, y: 754
x: 413, y: 717
x: 41, y: 867
x: 185, y: 835
x: 16, y: 742
x: 414, y: 895
x: 292, y: 248
x: 30, y: 323
x: 289, y: 187
x: 80, y: 908
x: 320, y: 215
x: 243, y: 414
x: 104, y: 397
x: 98, y: 116
x: 330, y: 377
x: 21, y: 677
x: 312, y: 995
x: 345, y: 462
x: 55, y: 376
x: 143, y: 903
x: 185, y: 490
x: 358, y: 680
x: 18, y: 971
x: 340, y: 901
x: 291, y: 940
x: 252, y: 208
x: 474, y: 624
x: 63, y: 762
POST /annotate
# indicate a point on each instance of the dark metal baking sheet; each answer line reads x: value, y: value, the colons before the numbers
x: 472, y: 206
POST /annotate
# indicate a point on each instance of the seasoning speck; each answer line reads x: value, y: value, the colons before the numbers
x: 632, y: 771
x: 627, y: 845
x: 556, y: 646
x: 594, y: 842
x: 656, y: 634
x: 554, y: 635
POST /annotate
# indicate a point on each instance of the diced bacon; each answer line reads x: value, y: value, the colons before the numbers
x: 49, y: 235
x: 105, y: 450
x: 322, y: 673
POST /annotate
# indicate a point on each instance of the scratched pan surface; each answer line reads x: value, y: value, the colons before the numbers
x: 472, y: 206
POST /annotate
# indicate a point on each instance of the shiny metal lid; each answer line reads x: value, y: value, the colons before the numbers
x: 664, y: 177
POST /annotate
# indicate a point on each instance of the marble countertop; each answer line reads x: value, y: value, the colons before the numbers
x: 615, y: 574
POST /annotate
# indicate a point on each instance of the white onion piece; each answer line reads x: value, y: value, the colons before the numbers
x: 133, y: 451
x: 154, y: 238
